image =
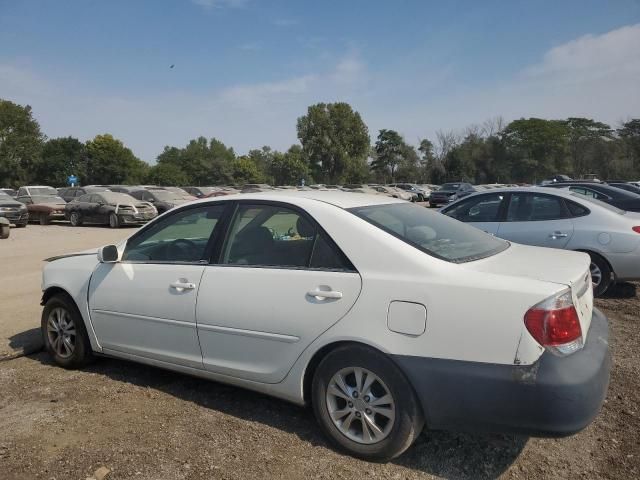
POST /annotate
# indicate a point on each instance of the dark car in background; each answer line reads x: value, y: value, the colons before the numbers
x: 109, y: 208
x: 70, y: 193
x: 162, y: 199
x: 450, y: 192
x: 628, y: 186
x: 15, y: 212
x: 179, y: 192
x: 44, y: 208
x: 617, y: 197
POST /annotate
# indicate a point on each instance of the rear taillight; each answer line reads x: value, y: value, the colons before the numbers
x: 636, y: 229
x: 555, y: 325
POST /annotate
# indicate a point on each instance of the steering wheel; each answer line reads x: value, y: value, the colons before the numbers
x: 181, y: 249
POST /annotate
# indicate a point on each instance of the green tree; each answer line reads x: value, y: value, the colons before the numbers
x: 538, y: 148
x: 60, y: 158
x: 389, y: 150
x: 583, y: 134
x: 289, y: 168
x: 263, y: 158
x: 166, y: 174
x: 245, y: 170
x: 333, y: 136
x: 20, y: 143
x: 629, y: 134
x: 110, y: 162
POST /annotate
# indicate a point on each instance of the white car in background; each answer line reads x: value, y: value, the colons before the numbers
x: 383, y: 315
x: 560, y: 219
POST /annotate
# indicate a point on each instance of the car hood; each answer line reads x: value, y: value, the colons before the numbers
x: 9, y: 203
x: 444, y: 192
x: 51, y: 204
x: 91, y: 251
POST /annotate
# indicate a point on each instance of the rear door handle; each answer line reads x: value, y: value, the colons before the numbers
x: 180, y: 286
x: 324, y: 294
x: 556, y: 235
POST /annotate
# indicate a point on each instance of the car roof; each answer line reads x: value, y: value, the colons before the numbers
x: 333, y: 197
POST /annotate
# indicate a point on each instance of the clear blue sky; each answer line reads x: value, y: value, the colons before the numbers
x: 246, y: 69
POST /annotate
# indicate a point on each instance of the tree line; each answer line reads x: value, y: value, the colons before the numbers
x: 335, y: 148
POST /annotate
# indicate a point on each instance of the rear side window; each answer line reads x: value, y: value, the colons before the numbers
x: 576, y: 210
x: 432, y: 232
x: 529, y: 207
x: 84, y: 198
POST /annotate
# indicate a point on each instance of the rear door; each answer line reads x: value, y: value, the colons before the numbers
x: 482, y: 211
x: 537, y: 219
x: 279, y: 282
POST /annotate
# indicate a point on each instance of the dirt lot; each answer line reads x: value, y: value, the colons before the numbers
x: 139, y: 422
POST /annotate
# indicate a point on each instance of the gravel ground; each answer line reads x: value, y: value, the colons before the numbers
x: 121, y: 420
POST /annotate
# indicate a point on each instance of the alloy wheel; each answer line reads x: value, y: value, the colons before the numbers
x: 61, y: 332
x: 360, y: 405
x: 596, y: 274
x: 75, y: 219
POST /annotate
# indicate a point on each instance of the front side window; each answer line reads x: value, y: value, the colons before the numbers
x: 180, y: 237
x: 432, y: 232
x: 84, y: 198
x: 528, y: 207
x: 482, y: 208
x: 276, y: 236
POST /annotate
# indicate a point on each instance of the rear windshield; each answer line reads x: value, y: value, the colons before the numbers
x: 432, y: 232
x: 598, y: 202
x: 115, y: 197
x: 42, y: 191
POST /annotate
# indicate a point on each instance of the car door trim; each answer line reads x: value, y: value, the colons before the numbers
x: 278, y: 337
x: 170, y: 321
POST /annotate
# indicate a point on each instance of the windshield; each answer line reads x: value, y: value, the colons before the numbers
x: 42, y: 191
x: 450, y: 186
x: 115, y: 197
x: 4, y: 196
x: 431, y: 232
x: 165, y: 195
x: 46, y: 199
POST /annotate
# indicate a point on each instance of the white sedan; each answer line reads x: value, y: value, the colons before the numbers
x: 381, y: 314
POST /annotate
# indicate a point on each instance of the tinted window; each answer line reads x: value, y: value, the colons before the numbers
x: 482, y: 208
x: 137, y: 195
x: 326, y: 255
x: 589, y: 193
x: 84, y: 198
x: 181, y: 237
x: 267, y: 235
x: 450, y: 186
x: 527, y: 207
x: 432, y: 232
x: 576, y: 209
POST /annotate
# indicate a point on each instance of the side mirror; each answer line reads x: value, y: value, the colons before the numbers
x: 108, y: 254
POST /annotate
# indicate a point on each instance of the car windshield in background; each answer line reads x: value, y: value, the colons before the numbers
x: 433, y: 233
x: 450, y: 186
x: 47, y: 199
x: 4, y: 196
x: 598, y: 202
x: 166, y: 195
x: 43, y: 191
x: 115, y: 197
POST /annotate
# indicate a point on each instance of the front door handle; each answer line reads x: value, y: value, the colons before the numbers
x: 325, y: 294
x: 180, y: 286
x: 556, y: 235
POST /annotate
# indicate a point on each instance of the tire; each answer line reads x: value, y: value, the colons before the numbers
x: 62, y: 320
x: 75, y: 218
x: 601, y: 270
x: 21, y: 225
x: 401, y: 420
x: 114, y: 221
x: 44, y: 219
x: 5, y: 231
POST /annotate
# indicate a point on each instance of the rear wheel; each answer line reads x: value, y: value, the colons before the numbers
x: 76, y: 219
x: 114, y: 222
x: 64, y: 334
x: 364, y: 403
x: 601, y: 274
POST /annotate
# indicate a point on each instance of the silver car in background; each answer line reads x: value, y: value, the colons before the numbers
x: 560, y: 219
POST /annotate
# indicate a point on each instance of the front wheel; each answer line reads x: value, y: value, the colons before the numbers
x: 364, y: 403
x: 64, y: 334
x: 114, y: 222
x: 75, y: 219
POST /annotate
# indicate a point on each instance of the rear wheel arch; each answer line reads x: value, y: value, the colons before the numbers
x: 591, y: 252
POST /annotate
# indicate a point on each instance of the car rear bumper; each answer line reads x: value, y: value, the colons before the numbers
x: 556, y: 396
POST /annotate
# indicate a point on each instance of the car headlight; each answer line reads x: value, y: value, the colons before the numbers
x: 453, y: 198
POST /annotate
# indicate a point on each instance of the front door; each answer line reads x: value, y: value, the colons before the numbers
x: 145, y: 304
x: 280, y: 282
x: 481, y: 211
x: 537, y: 219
